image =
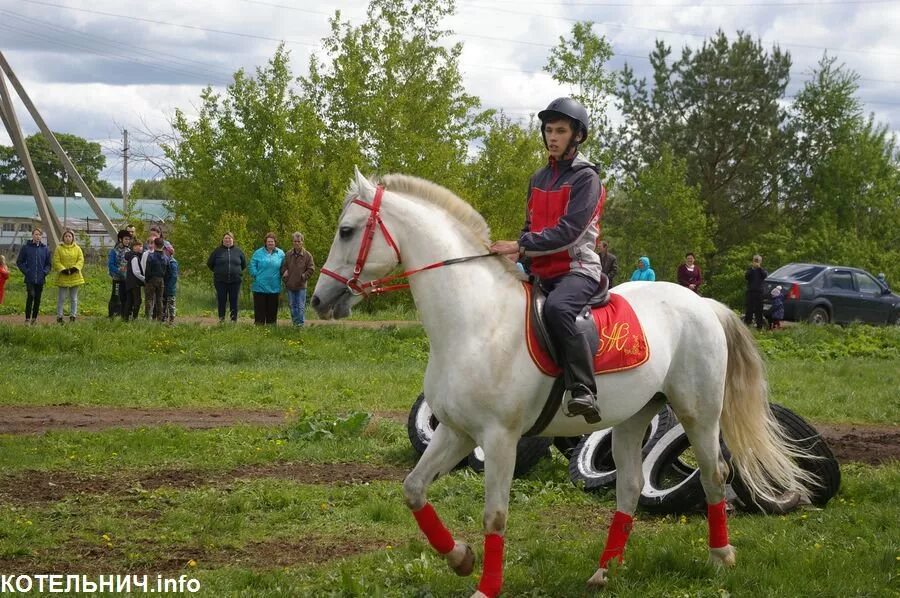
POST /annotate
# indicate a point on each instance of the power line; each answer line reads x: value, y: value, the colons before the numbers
x: 666, y: 31
x: 141, y: 50
x: 183, y: 26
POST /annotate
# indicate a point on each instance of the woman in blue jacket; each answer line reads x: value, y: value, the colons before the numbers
x: 265, y: 268
x: 643, y: 271
x: 34, y: 262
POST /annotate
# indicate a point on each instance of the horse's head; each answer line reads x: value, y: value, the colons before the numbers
x: 351, y: 261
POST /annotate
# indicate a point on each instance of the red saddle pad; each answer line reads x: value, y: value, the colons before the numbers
x: 623, y: 344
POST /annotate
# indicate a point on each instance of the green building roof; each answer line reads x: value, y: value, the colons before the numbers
x: 24, y: 206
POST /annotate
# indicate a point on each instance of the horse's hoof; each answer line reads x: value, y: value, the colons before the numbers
x: 598, y: 580
x: 723, y: 557
x: 461, y: 559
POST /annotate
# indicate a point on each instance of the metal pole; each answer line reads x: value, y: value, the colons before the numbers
x: 125, y: 172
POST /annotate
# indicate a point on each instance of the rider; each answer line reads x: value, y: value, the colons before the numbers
x: 561, y: 229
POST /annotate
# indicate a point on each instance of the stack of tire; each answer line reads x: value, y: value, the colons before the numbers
x: 672, y: 481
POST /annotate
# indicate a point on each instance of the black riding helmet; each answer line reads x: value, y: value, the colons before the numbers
x: 568, y: 108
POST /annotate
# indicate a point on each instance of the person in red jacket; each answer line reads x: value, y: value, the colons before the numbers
x: 559, y: 236
x: 4, y: 276
x: 689, y: 274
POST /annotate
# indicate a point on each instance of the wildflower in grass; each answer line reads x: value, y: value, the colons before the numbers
x: 192, y: 563
x: 683, y: 520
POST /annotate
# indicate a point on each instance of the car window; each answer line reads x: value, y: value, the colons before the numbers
x: 867, y: 284
x: 841, y: 279
x: 798, y: 272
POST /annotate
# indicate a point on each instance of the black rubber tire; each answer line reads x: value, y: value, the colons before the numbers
x: 819, y: 315
x: 592, y: 465
x: 567, y: 445
x: 666, y: 488
x: 420, y: 425
x: 822, y: 464
x: 529, y: 451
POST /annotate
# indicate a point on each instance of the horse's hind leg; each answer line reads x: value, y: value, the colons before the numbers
x: 627, y: 438
x: 446, y: 449
x: 704, y: 438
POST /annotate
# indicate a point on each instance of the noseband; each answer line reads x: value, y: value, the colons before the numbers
x: 376, y: 287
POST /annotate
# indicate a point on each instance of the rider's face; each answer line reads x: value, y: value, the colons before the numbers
x: 558, y: 134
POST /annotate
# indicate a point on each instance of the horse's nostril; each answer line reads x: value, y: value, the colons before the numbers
x: 315, y: 301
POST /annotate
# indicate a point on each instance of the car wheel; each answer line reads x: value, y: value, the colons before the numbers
x: 529, y: 451
x: 819, y: 315
x: 821, y: 463
x: 420, y: 427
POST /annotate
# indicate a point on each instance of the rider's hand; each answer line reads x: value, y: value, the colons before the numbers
x: 505, y: 247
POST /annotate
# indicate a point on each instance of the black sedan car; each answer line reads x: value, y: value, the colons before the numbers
x: 819, y: 294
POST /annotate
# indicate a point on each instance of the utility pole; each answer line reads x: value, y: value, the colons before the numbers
x: 125, y: 171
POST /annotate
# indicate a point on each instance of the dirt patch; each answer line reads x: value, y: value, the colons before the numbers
x: 36, y: 420
x: 50, y: 486
x: 866, y: 444
x: 152, y: 558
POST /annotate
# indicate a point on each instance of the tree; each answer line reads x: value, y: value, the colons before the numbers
x: 579, y: 62
x: 658, y: 215
x: 720, y: 108
x: 497, y: 179
x: 149, y: 189
x: 87, y: 157
x: 248, y: 152
x: 392, y: 95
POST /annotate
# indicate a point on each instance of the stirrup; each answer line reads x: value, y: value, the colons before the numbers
x: 585, y: 405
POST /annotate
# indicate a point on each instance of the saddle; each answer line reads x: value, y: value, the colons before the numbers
x: 614, y: 333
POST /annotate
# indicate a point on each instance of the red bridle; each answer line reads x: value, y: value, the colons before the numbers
x: 373, y: 287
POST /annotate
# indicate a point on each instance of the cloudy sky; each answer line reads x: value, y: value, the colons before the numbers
x: 94, y: 67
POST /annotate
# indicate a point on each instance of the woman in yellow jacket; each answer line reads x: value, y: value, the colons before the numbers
x: 68, y: 262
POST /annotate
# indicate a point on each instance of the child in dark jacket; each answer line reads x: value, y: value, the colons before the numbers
x: 134, y: 280
x: 171, y: 286
x: 776, y: 314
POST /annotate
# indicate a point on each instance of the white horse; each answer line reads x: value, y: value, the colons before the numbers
x: 486, y: 391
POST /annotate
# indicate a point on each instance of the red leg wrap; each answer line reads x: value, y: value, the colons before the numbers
x: 492, y: 574
x: 431, y: 525
x: 718, y: 526
x: 618, y: 536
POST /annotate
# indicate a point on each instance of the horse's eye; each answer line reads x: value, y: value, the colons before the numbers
x: 346, y: 232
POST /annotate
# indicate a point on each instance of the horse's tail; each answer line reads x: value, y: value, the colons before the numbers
x: 762, y: 454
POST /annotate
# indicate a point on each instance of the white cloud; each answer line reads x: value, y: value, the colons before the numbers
x: 91, y: 74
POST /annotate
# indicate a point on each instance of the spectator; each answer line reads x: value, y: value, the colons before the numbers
x: 117, y: 267
x: 755, y: 277
x: 155, y: 272
x: 608, y: 262
x: 149, y: 249
x: 68, y: 261
x: 34, y: 262
x: 134, y: 280
x: 171, y: 287
x: 265, y: 268
x: 228, y: 264
x: 776, y: 314
x: 296, y: 269
x: 4, y: 276
x: 643, y: 270
x: 689, y: 274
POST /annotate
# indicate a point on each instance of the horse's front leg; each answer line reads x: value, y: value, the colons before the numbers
x: 446, y: 449
x: 499, y: 463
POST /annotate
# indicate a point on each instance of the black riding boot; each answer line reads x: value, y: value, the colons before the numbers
x: 578, y: 376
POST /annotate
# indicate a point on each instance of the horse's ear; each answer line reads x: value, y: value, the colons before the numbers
x: 363, y: 186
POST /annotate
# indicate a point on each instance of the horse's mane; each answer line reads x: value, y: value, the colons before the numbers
x: 468, y: 217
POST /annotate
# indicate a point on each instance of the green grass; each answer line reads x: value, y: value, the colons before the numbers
x: 271, y: 536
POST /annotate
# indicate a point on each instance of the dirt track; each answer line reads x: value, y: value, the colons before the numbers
x: 866, y: 444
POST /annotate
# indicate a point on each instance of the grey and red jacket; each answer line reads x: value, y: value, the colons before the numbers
x: 562, y: 220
